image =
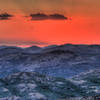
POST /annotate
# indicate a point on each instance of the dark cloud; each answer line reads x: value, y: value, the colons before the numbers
x: 41, y: 16
x: 5, y: 16
x: 57, y: 16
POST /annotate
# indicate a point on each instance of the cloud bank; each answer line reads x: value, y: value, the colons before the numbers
x: 37, y: 16
x: 42, y: 16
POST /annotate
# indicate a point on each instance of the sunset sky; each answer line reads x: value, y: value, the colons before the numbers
x: 82, y: 25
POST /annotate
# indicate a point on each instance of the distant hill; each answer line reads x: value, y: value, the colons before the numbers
x: 61, y: 61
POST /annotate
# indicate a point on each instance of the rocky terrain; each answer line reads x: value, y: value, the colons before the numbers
x: 64, y: 72
x: 34, y: 86
x: 58, y: 61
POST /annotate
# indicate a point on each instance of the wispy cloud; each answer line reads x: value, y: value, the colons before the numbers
x: 5, y: 16
x: 19, y: 42
x: 42, y: 16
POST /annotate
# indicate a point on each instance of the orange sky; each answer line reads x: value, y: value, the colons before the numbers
x: 83, y: 28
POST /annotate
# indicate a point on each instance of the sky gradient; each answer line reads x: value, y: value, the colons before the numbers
x: 81, y: 27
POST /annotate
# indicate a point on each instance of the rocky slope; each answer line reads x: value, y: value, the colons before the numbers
x: 65, y: 71
x: 34, y: 86
x: 61, y: 61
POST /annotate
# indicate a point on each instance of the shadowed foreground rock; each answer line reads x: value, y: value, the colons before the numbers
x: 35, y: 86
x: 85, y: 98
